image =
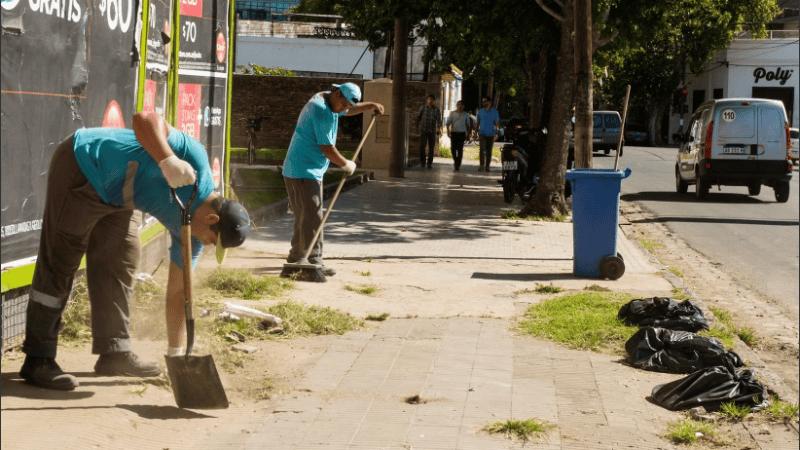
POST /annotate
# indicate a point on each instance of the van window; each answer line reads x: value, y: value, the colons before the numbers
x: 612, y: 121
x: 598, y: 121
x: 736, y: 122
x: 772, y: 128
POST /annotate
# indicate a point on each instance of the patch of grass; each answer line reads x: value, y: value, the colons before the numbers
x: 245, y: 284
x: 76, y: 320
x: 301, y: 320
x: 445, y: 152
x: 676, y: 272
x: 473, y: 152
x: 649, y: 245
x: 584, y: 321
x: 722, y: 315
x: 596, y: 288
x: 514, y: 215
x: 263, y: 391
x: 689, y: 431
x: 734, y: 411
x: 368, y: 260
x: 547, y: 288
x: 745, y: 333
x: 366, y: 273
x: 138, y: 390
x: 261, y: 153
x: 378, y: 318
x: 529, y: 429
x: 253, y: 200
x: 781, y: 411
x: 679, y: 295
x: 363, y: 289
x: 722, y: 333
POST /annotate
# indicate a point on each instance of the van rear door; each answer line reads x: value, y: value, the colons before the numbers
x: 735, y: 126
x: 771, y: 139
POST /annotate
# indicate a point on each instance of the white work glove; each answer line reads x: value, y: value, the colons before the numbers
x: 349, y: 167
x: 177, y: 172
x: 176, y: 351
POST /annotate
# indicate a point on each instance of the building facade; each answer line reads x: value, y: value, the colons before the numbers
x: 755, y: 68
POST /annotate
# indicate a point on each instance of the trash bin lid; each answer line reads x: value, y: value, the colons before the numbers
x: 574, y: 174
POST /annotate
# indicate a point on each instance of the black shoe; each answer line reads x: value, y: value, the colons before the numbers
x: 487, y: 168
x: 44, y: 372
x: 429, y: 166
x: 125, y: 364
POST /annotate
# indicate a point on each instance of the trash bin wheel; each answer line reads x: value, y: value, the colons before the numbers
x: 612, y: 267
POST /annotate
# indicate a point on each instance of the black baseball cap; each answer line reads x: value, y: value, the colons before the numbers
x: 234, y: 224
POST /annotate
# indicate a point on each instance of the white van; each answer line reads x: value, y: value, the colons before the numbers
x: 736, y: 142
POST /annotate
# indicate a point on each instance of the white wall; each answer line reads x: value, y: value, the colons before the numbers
x: 736, y: 74
x: 305, y: 54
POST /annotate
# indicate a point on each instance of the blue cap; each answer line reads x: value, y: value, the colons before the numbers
x: 350, y: 91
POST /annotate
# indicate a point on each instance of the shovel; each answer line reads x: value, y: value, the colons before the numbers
x: 195, y: 381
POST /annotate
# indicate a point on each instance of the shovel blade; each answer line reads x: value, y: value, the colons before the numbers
x: 196, y: 383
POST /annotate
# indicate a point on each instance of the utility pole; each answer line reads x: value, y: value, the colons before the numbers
x: 584, y: 80
x: 398, y: 125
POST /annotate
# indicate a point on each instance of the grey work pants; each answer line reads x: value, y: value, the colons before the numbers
x: 77, y: 222
x: 305, y: 199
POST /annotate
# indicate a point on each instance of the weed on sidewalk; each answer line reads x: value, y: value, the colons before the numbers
x: 583, y: 321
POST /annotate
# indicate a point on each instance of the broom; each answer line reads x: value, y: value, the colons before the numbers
x: 305, y: 270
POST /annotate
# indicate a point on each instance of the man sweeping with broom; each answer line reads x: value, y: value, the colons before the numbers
x: 97, y: 178
x: 312, y: 149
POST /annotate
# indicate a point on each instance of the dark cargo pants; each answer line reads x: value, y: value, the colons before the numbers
x: 77, y: 222
x: 305, y: 199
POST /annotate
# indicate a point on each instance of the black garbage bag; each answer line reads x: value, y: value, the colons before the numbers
x: 664, y: 312
x: 673, y: 351
x: 710, y: 388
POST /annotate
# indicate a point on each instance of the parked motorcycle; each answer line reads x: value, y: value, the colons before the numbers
x: 522, y: 161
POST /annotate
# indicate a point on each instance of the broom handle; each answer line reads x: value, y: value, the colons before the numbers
x: 622, y: 127
x: 338, y: 190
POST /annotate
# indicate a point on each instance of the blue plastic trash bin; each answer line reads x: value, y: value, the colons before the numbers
x: 595, y: 220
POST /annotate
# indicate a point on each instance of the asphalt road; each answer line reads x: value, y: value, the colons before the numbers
x: 755, y: 239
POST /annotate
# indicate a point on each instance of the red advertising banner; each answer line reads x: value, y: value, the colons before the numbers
x: 192, y: 8
x: 189, y: 116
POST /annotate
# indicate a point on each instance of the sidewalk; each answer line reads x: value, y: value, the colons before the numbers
x: 448, y: 268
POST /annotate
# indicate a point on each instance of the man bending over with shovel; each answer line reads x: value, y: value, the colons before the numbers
x: 312, y: 149
x: 97, y: 178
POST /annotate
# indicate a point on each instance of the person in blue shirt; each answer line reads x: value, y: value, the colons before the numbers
x: 488, y: 124
x: 98, y: 177
x: 312, y: 149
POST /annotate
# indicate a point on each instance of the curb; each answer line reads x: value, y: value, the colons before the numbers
x: 771, y: 381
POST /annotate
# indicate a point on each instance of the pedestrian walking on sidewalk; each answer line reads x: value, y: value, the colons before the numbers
x: 457, y: 128
x: 430, y: 128
x: 97, y: 178
x: 312, y: 149
x: 488, y: 125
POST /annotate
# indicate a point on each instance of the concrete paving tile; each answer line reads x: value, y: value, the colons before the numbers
x: 480, y: 442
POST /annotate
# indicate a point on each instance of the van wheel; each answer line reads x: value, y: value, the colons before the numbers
x: 681, y: 186
x: 606, y: 151
x: 754, y: 189
x: 782, y: 192
x: 701, y: 189
x: 622, y: 147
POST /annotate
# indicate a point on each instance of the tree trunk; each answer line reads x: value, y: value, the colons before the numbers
x: 490, y: 87
x: 398, y: 125
x: 388, y: 60
x: 583, y: 81
x: 549, y: 198
x: 534, y: 72
x: 655, y: 116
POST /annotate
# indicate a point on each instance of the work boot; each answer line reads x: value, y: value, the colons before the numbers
x: 487, y: 168
x: 125, y: 364
x: 44, y: 372
x: 480, y: 168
